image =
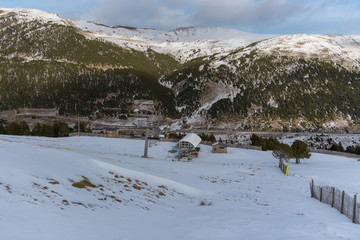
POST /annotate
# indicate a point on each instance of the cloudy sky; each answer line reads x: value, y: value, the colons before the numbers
x: 258, y: 16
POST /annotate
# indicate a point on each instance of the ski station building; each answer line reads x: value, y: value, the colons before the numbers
x: 190, y: 141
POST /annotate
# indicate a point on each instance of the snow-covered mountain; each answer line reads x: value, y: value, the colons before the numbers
x: 189, y: 42
x: 183, y: 43
x: 206, y: 77
x: 28, y: 15
x: 341, y: 49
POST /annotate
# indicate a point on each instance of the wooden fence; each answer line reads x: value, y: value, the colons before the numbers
x: 345, y: 203
x: 98, y: 135
x: 284, y: 168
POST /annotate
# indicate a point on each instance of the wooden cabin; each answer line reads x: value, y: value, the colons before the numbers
x: 219, y: 147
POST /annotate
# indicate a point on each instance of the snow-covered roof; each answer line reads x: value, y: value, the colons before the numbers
x: 191, y: 138
x: 220, y: 143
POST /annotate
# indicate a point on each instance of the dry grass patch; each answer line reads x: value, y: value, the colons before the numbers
x: 53, y: 181
x: 8, y: 188
x: 205, y: 203
x: 85, y: 183
x: 137, y: 187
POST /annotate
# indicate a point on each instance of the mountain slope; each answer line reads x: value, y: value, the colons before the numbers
x: 183, y: 43
x: 54, y: 66
x: 266, y: 93
x: 204, y: 77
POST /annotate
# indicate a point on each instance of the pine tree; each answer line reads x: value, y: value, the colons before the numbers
x: 2, y: 129
x: 24, y: 129
x: 282, y: 152
x: 36, y: 130
x: 300, y: 150
x: 14, y: 129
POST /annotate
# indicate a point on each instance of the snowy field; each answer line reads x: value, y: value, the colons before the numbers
x: 239, y: 195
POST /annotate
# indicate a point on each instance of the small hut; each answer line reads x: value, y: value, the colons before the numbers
x: 219, y: 147
x: 111, y: 131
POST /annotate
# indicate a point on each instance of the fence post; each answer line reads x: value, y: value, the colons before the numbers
x: 312, y: 188
x: 354, y: 214
x: 333, y: 197
x: 320, y: 194
x: 342, y: 202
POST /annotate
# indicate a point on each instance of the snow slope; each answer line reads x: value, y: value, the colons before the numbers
x: 243, y: 194
x: 183, y: 43
x: 341, y: 49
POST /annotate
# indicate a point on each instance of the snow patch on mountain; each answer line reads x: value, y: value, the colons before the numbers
x: 213, y: 93
x: 183, y: 43
x: 340, y: 49
x: 273, y: 103
x: 34, y: 14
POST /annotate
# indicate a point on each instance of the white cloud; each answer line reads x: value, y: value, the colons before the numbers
x: 172, y: 14
x: 137, y: 13
x: 275, y: 16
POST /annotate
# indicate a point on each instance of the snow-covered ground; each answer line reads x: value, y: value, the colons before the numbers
x: 243, y: 193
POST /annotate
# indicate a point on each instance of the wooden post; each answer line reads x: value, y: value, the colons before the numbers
x: 333, y: 197
x: 342, y: 202
x: 312, y: 188
x: 354, y: 214
x: 320, y: 194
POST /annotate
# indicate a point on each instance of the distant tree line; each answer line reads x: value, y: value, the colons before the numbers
x: 338, y: 147
x: 210, y: 137
x: 283, y: 152
x: 176, y: 135
x: 57, y: 129
x: 265, y: 143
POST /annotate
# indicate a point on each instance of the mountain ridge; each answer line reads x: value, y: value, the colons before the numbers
x: 265, y: 82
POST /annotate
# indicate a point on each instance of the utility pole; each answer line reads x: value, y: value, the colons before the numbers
x: 146, y: 142
x: 148, y: 126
